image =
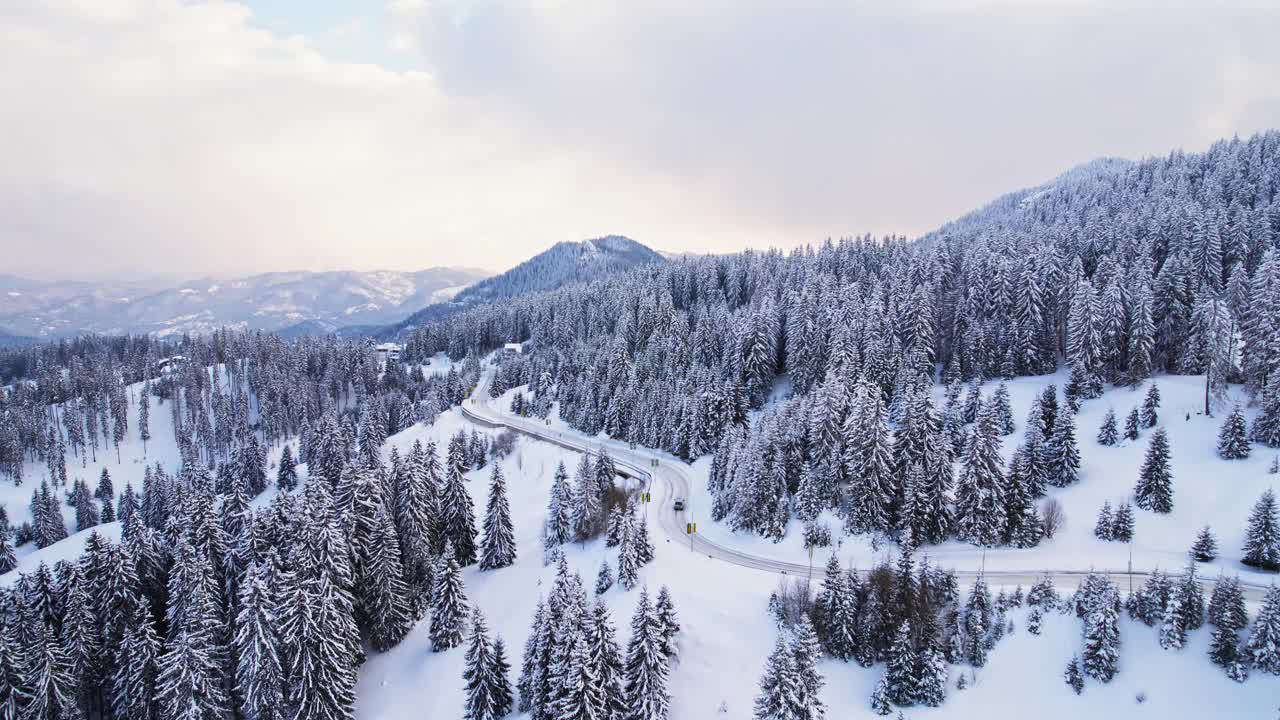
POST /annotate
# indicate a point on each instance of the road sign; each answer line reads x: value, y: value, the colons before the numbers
x: 690, y: 528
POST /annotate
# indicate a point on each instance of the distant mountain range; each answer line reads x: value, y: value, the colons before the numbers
x: 298, y: 301
x: 352, y: 304
x: 563, y: 263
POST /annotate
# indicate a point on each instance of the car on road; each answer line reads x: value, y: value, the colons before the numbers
x: 678, y: 504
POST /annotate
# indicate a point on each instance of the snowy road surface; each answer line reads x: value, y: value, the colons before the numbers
x: 667, y: 480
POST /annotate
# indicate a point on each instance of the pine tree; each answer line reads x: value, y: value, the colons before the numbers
x: 605, y: 660
x: 1034, y: 619
x: 527, y: 683
x: 604, y: 579
x: 628, y: 556
x: 559, y: 525
x: 586, y: 501
x: 481, y: 703
x: 902, y: 667
x: 644, y: 547
x: 385, y: 599
x: 778, y: 686
x: 448, y: 603
x: 1122, y: 523
x: 1151, y: 406
x: 880, y: 697
x: 1173, y: 628
x: 259, y: 687
x: 498, y: 548
x: 1233, y: 439
x: 8, y: 559
x: 668, y: 623
x: 1262, y: 537
x: 1102, y: 529
x: 419, y: 523
x: 1074, y: 678
x: 1154, y: 490
x: 805, y: 652
x: 1131, y: 424
x: 502, y: 696
x: 645, y: 672
x: 287, y: 475
x: 1003, y: 410
x: 1264, y: 637
x: 1102, y: 634
x: 1064, y: 452
x: 979, y: 503
x: 49, y: 678
x: 457, y: 510
x: 1205, y: 548
x: 617, y: 520
x: 869, y: 465
x: 134, y: 686
x: 1108, y: 434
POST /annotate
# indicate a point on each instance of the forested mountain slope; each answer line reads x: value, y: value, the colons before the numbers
x: 564, y: 263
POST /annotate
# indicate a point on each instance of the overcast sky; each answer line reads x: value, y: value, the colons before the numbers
x: 159, y: 136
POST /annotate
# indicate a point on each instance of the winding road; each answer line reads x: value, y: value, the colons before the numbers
x: 667, y: 480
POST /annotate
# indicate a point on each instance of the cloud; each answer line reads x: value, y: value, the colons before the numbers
x: 158, y: 132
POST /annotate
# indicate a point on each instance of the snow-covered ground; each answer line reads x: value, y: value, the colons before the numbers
x: 1207, y: 490
x: 727, y: 633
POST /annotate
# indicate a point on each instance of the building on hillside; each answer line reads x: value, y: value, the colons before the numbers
x: 517, y: 348
x: 388, y: 352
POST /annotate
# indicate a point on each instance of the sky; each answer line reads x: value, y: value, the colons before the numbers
x: 144, y: 137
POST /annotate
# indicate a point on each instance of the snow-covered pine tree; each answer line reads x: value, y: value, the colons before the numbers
x: 668, y: 623
x: 503, y: 700
x: 478, y: 673
x: 133, y: 695
x: 457, y: 509
x: 287, y: 474
x: 1205, y: 548
x: 880, y: 697
x: 558, y: 528
x: 778, y: 685
x: 617, y: 521
x: 979, y: 502
x: 528, y: 681
x: 869, y: 465
x: 1102, y: 529
x: 644, y: 547
x: 1262, y: 536
x: 1064, y: 452
x: 604, y: 658
x: 1151, y: 406
x: 448, y: 603
x: 259, y: 679
x: 604, y: 578
x: 1122, y: 523
x: 498, y: 547
x: 586, y: 500
x: 1108, y: 433
x: 419, y: 522
x: 1263, y: 645
x: 1233, y: 438
x: 1003, y: 410
x: 1132, y: 425
x: 645, y: 672
x: 1084, y: 343
x: 1102, y: 634
x: 806, y: 651
x: 628, y: 555
x: 901, y: 671
x: 1173, y: 627
x: 1073, y: 677
x: 1154, y: 490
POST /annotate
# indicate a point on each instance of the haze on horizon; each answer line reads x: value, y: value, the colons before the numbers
x: 147, y: 137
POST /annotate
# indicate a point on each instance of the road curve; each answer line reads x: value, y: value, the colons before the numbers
x: 668, y: 480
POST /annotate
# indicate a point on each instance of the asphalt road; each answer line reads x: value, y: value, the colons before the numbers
x: 667, y: 480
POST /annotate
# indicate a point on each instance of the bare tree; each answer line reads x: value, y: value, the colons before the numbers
x: 1052, y: 516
